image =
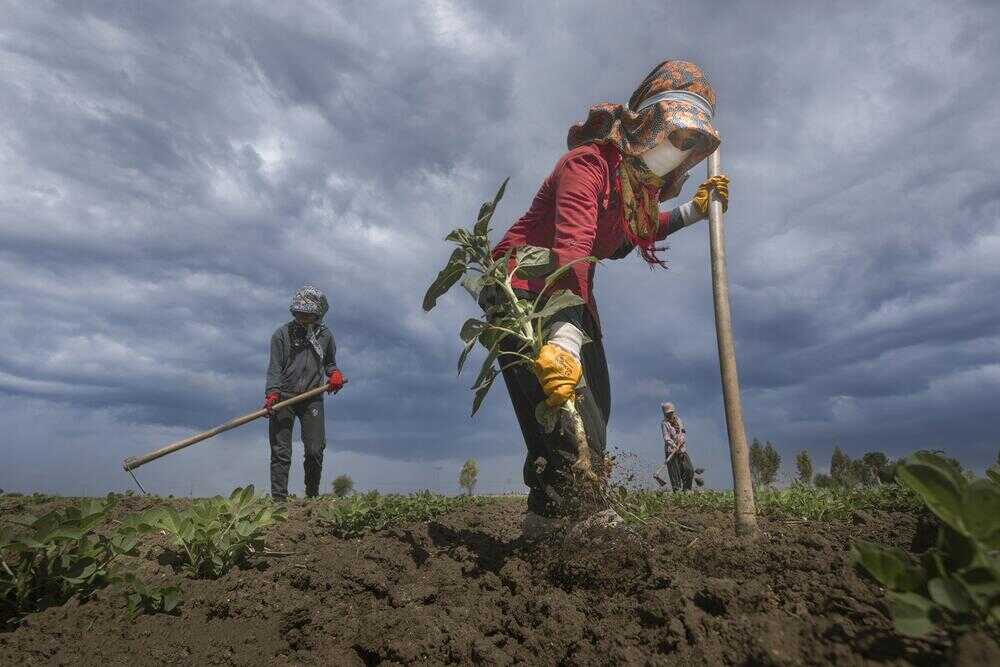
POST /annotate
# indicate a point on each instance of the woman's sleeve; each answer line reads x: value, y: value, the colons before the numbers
x: 331, y: 354
x: 670, y: 222
x: 581, y: 183
x: 276, y: 363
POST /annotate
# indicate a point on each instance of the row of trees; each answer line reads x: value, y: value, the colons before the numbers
x: 343, y: 485
x: 871, y: 469
x: 765, y: 463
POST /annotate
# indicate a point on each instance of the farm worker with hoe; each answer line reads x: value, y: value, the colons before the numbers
x: 303, y: 357
x: 602, y: 199
x: 679, y: 467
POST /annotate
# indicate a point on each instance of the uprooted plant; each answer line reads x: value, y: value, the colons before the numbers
x: 216, y: 533
x: 957, y: 581
x: 59, y: 555
x: 513, y: 330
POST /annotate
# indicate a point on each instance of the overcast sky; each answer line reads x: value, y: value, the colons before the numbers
x: 170, y: 173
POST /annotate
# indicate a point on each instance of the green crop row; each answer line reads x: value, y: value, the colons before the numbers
x: 62, y: 554
x: 362, y: 513
x: 798, y: 501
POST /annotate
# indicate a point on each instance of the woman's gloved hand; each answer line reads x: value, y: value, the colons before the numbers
x: 269, y: 402
x: 335, y: 382
x: 558, y: 371
x: 718, y: 183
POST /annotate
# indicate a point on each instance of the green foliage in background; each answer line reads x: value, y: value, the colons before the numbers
x: 468, y: 476
x: 796, y: 502
x: 216, y: 533
x: 59, y: 555
x: 365, y: 512
x: 957, y: 581
x: 342, y: 486
x: 764, y: 463
x: 804, y: 467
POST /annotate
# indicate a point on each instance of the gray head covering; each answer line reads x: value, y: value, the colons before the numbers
x: 667, y: 408
x: 310, y: 300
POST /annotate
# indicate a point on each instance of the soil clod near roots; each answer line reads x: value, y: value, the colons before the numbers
x: 468, y: 588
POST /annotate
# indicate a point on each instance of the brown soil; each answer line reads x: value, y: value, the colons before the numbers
x: 467, y: 588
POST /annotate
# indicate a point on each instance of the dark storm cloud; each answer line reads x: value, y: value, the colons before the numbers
x: 172, y: 172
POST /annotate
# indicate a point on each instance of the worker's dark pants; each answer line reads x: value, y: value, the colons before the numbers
x: 681, y: 472
x: 313, y: 426
x: 547, y: 479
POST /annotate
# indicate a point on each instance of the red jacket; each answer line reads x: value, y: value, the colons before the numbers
x: 576, y: 213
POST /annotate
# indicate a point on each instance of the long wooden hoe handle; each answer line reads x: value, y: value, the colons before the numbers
x: 746, y: 513
x: 133, y: 462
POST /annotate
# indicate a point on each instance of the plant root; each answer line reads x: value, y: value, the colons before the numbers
x: 572, y: 424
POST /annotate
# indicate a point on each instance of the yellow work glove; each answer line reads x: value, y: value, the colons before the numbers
x: 558, y: 371
x: 718, y: 183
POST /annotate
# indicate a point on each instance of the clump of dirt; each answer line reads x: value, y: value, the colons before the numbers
x: 468, y: 588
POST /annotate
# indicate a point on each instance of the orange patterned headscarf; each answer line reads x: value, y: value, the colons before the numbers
x: 674, y: 96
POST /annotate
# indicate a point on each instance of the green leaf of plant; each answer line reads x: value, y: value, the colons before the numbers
x: 473, y: 284
x: 533, y: 261
x: 465, y: 354
x: 458, y: 236
x: 486, y: 370
x: 557, y: 302
x: 481, y: 228
x: 981, y: 512
x: 471, y: 329
x: 890, y: 567
x: 933, y: 563
x: 499, y: 195
x: 492, y: 335
x: 171, y: 598
x: 124, y: 540
x: 933, y: 482
x: 448, y: 276
x: 482, y: 389
x: 949, y: 594
x: 911, y: 613
x: 957, y: 550
x: 982, y: 584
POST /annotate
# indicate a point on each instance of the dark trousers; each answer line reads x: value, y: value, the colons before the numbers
x: 313, y: 426
x: 546, y: 479
x: 681, y: 472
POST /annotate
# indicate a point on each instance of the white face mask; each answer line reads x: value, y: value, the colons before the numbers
x: 664, y: 158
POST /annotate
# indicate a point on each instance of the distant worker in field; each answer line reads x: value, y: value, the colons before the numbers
x: 303, y: 357
x: 680, y: 470
x: 602, y: 199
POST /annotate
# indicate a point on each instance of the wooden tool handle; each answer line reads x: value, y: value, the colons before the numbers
x: 133, y: 462
x: 746, y: 513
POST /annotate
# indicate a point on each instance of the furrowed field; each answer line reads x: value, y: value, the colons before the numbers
x: 430, y: 579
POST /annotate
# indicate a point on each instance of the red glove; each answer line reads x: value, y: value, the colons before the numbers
x: 335, y: 382
x: 269, y: 401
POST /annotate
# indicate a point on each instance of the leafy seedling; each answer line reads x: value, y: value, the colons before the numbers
x: 514, y: 328
x: 142, y: 598
x: 59, y: 555
x: 216, y: 533
x: 957, y: 581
